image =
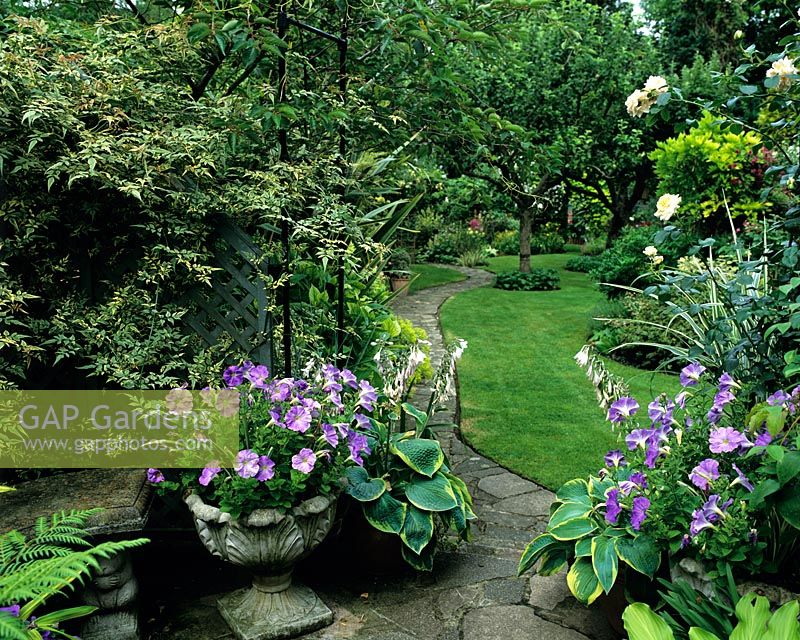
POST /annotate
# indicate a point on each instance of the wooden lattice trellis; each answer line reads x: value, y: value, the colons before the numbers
x: 236, y: 305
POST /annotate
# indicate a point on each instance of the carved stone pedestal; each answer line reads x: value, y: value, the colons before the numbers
x: 269, y: 543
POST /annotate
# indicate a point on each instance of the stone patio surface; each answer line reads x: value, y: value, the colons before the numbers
x: 473, y: 593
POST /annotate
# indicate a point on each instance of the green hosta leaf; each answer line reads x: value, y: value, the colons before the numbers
x: 423, y: 456
x: 753, y: 614
x: 573, y: 529
x: 789, y: 467
x: 420, y: 561
x: 386, y: 513
x: 639, y: 553
x: 783, y: 625
x: 553, y: 561
x: 605, y: 561
x: 642, y: 624
x: 576, y: 490
x: 583, y: 582
x: 420, y: 416
x: 583, y: 547
x: 568, y: 511
x: 534, y: 551
x: 361, y: 487
x: 417, y: 529
x: 598, y: 488
x: 435, y: 494
x: 761, y: 491
x: 789, y: 507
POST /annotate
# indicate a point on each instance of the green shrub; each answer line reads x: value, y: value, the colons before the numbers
x: 625, y: 264
x: 706, y: 164
x: 536, y: 280
x: 473, y: 258
x: 451, y: 244
x: 507, y: 242
x: 547, y: 241
x: 594, y: 247
x: 580, y: 264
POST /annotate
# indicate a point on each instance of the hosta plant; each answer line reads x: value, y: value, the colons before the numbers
x: 405, y: 483
x: 755, y: 622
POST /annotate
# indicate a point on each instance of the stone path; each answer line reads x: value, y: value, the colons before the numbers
x: 474, y: 592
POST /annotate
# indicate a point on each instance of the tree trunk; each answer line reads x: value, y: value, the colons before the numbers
x: 525, y: 222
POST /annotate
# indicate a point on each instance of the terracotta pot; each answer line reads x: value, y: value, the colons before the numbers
x: 400, y: 285
x: 269, y: 543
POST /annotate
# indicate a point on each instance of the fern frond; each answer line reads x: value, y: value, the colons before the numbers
x: 12, y: 628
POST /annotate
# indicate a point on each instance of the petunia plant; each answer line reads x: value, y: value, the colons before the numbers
x: 701, y: 477
x: 297, y: 436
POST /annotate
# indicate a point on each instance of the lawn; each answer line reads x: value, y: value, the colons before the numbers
x: 525, y: 403
x: 429, y: 275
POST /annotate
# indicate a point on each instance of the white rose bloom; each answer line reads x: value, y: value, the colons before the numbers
x: 657, y: 259
x: 655, y: 83
x: 667, y: 205
x: 638, y: 103
x: 650, y: 251
x: 782, y: 68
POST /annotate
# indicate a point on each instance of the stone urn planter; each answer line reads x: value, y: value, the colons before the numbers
x: 268, y: 542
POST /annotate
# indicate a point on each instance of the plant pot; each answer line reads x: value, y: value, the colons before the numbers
x: 268, y: 542
x: 378, y: 553
x: 400, y: 285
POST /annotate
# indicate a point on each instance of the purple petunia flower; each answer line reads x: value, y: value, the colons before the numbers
x: 246, y: 463
x: 639, y: 512
x: 651, y: 455
x: 13, y: 610
x: 258, y: 376
x: 726, y: 382
x: 304, y: 461
x: 638, y: 438
x: 699, y: 522
x: 331, y: 436
x: 362, y: 421
x: 685, y: 541
x: 690, y: 374
x: 704, y: 473
x: 612, y: 506
x: 680, y: 399
x: 266, y: 469
x: 367, y: 396
x: 336, y: 400
x: 614, y: 458
x: 348, y: 378
x: 622, y: 409
x: 763, y: 439
x: 637, y: 482
x: 233, y: 376
x: 358, y: 445
x: 155, y: 476
x: 778, y: 398
x: 714, y: 414
x: 282, y: 390
x: 298, y: 418
x: 742, y: 479
x: 210, y: 472
x: 725, y: 440
x: 661, y: 411
x: 713, y: 509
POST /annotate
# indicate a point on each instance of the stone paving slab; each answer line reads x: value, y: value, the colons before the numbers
x: 474, y: 592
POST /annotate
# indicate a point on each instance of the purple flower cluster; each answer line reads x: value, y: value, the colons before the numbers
x: 639, y: 506
x: 706, y: 516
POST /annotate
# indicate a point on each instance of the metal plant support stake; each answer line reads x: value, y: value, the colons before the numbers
x: 284, y: 21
